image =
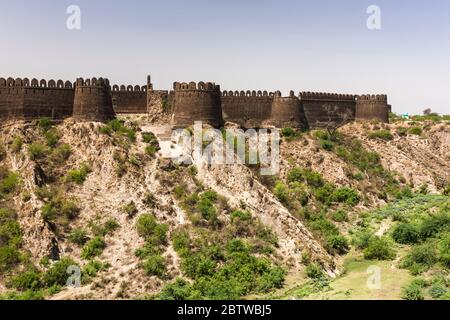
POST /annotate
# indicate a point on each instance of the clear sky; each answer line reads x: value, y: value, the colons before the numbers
x: 321, y: 45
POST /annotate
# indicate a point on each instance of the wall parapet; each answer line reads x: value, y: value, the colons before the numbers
x: 122, y: 88
x: 193, y: 86
x: 372, y: 97
x: 327, y: 96
x: 35, y: 83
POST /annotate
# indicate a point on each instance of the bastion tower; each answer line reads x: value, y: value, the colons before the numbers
x: 196, y: 102
x: 93, y: 100
x: 287, y: 112
x: 369, y: 107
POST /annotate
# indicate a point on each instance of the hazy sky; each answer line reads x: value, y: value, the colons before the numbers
x: 246, y: 44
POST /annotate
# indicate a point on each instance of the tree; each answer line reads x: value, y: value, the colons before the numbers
x: 427, y: 112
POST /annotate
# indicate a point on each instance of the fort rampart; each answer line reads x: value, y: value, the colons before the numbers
x: 95, y: 100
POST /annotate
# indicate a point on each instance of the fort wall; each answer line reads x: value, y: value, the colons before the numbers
x: 196, y: 102
x: 129, y: 99
x: 324, y: 109
x: 29, y: 100
x: 93, y: 100
x: 247, y: 108
x: 287, y: 112
x: 369, y: 107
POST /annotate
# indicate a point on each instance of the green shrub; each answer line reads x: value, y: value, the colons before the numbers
x: 180, y: 289
x: 314, y: 271
x: 130, y: 209
x: 406, y: 233
x: 420, y: 257
x: 402, y: 131
x: 151, y: 150
x: 2, y: 151
x: 447, y: 190
x: 91, y: 269
x: 29, y: 280
x: 110, y: 226
x: 379, y: 249
x: 241, y: 215
x: 362, y: 239
x: 290, y: 134
x: 52, y: 138
x: 9, y: 257
x: 7, y: 215
x: 282, y: 193
x: 416, y: 131
x: 57, y: 274
x: 155, y: 266
x: 60, y: 211
x: 149, y: 137
x: 78, y: 236
x: 151, y: 231
x: 324, y: 226
x: 327, y: 145
x: 236, y: 245
x: 337, y: 244
x: 437, y: 291
x: 313, y: 179
x: 10, y: 233
x: 17, y: 144
x: 207, y: 210
x: 404, y: 193
x: 322, y: 135
x: 299, y: 193
x: 61, y: 153
x: 340, y: 216
x: 412, y: 292
x: 346, y: 195
x: 181, y: 241
x: 432, y: 225
x: 131, y: 135
x: 10, y: 183
x: 117, y: 126
x: 45, y: 124
x: 359, y: 176
x: 381, y: 134
x: 37, y: 151
x: 444, y: 251
x: 93, y: 248
x: 80, y: 175
x: 325, y: 193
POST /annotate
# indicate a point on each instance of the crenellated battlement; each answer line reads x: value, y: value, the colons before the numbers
x: 196, y: 102
x: 248, y: 93
x: 94, y: 99
x: 326, y: 96
x: 130, y: 99
x: 35, y: 83
x: 373, y: 97
x: 370, y: 107
x: 122, y: 88
x: 193, y: 86
x: 92, y: 83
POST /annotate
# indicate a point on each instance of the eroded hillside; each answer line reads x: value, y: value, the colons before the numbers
x: 102, y: 198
